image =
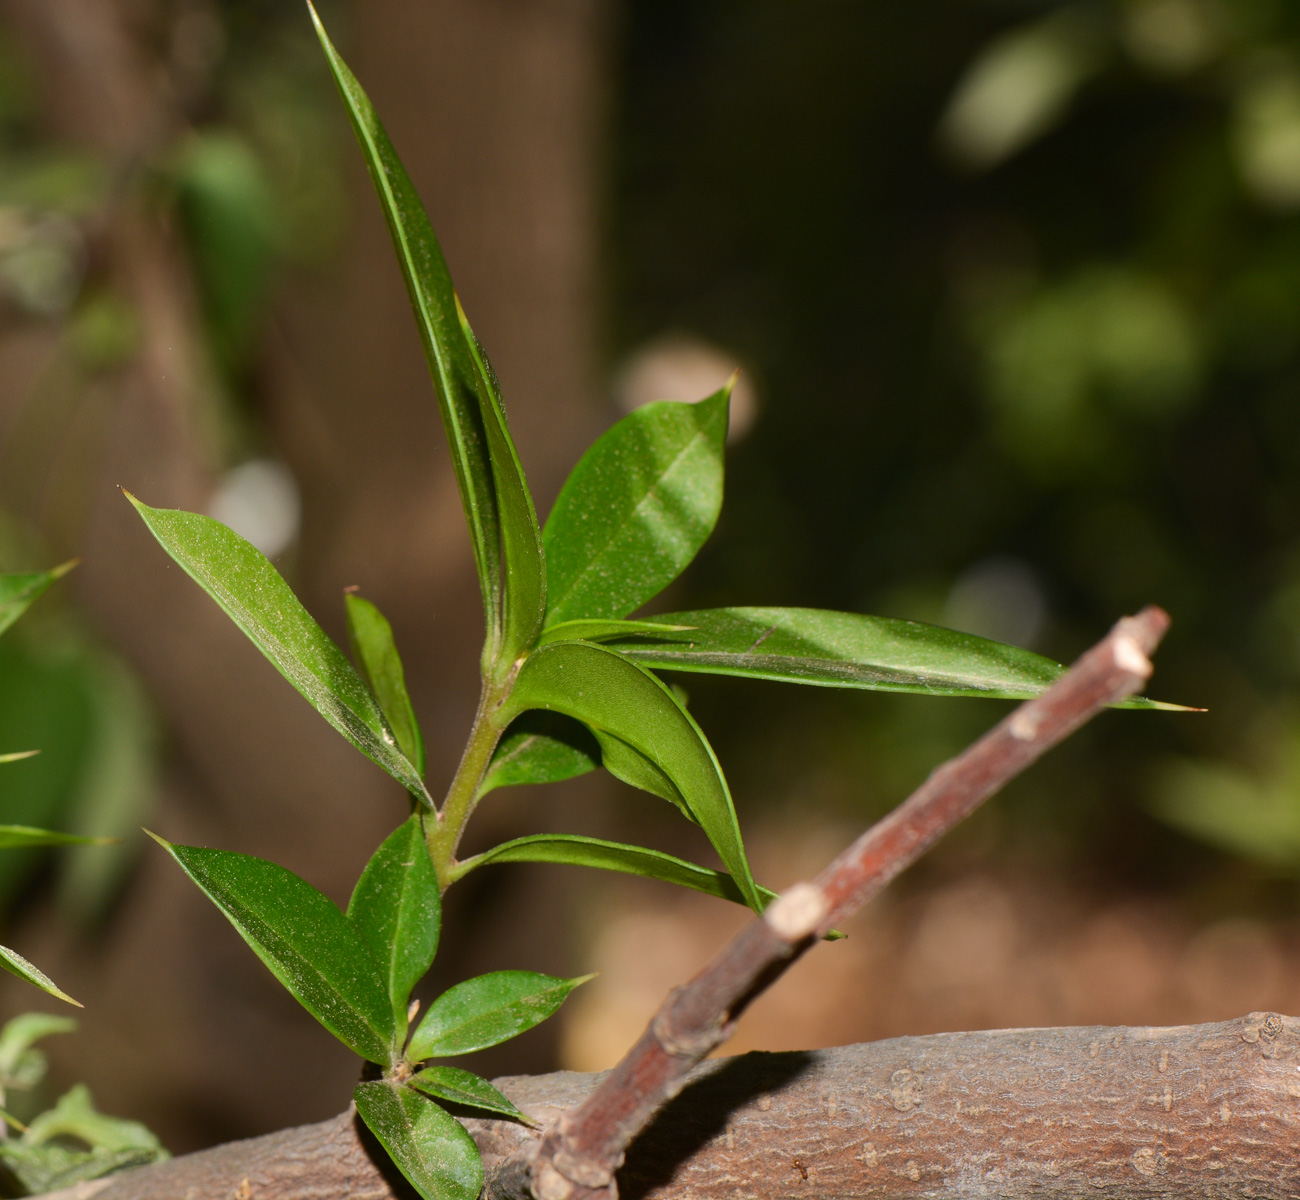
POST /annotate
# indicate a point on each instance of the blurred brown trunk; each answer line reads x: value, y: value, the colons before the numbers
x: 495, y: 105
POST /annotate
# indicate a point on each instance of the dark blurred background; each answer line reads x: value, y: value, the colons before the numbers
x: 1016, y: 291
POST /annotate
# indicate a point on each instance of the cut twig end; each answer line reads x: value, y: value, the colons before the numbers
x: 798, y: 912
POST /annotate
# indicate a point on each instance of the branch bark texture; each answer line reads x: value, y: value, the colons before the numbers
x: 579, y: 1156
x: 1186, y: 1113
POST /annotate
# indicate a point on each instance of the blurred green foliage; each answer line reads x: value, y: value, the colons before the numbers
x: 1020, y: 284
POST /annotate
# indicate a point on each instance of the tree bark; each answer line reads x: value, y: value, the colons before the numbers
x: 1128, y: 1113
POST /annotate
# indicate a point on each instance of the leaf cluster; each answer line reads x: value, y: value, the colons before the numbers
x: 71, y: 1142
x: 569, y: 684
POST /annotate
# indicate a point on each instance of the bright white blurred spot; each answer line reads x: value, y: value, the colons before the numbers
x: 1267, y: 138
x: 1170, y: 37
x: 999, y: 598
x: 1017, y: 88
x: 680, y: 367
x: 259, y: 501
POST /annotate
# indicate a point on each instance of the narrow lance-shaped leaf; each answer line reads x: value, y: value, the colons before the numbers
x: 18, y: 755
x: 848, y: 650
x: 541, y: 747
x: 524, y: 595
x: 396, y: 907
x: 305, y: 941
x: 578, y: 851
x: 464, y: 1087
x: 372, y: 642
x: 429, y: 1146
x: 242, y: 580
x: 604, y: 690
x: 429, y: 286
x: 487, y: 1010
x: 636, y: 509
x: 19, y: 591
x: 16, y: 964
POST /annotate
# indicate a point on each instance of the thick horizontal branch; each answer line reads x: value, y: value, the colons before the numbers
x: 1191, y: 1113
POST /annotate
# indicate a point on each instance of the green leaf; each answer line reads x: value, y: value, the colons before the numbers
x: 307, y: 943
x: 51, y: 1167
x: 18, y: 756
x: 848, y: 650
x: 76, y: 1116
x: 371, y: 637
x: 14, y: 836
x: 396, y: 907
x: 604, y: 690
x: 497, y: 503
x: 541, y: 747
x: 19, y: 591
x: 632, y: 767
x: 464, y: 1087
x: 603, y: 631
x: 16, y: 964
x: 578, y: 851
x: 429, y: 1146
x: 489, y: 1009
x: 21, y: 1034
x: 242, y: 580
x: 524, y: 598
x: 636, y: 509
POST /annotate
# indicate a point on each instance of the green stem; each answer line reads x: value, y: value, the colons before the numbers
x: 462, y: 795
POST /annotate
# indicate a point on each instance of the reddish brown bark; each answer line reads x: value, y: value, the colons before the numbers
x: 1131, y: 1114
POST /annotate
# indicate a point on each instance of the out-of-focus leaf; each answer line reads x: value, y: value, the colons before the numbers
x: 524, y: 596
x: 464, y: 1087
x: 116, y: 791
x: 489, y: 1009
x: 451, y: 362
x: 228, y: 211
x: 14, y: 836
x: 372, y: 642
x: 47, y: 699
x: 307, y: 943
x: 603, y: 631
x: 1254, y: 816
x: 636, y: 509
x: 16, y: 964
x: 20, y: 590
x: 18, y: 756
x: 396, y: 907
x: 75, y: 1116
x: 850, y: 650
x: 541, y: 747
x: 242, y: 580
x: 429, y: 1146
x: 604, y: 690
x: 51, y: 1167
x: 20, y: 1035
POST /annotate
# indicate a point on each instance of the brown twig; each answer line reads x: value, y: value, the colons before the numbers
x: 579, y: 1155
